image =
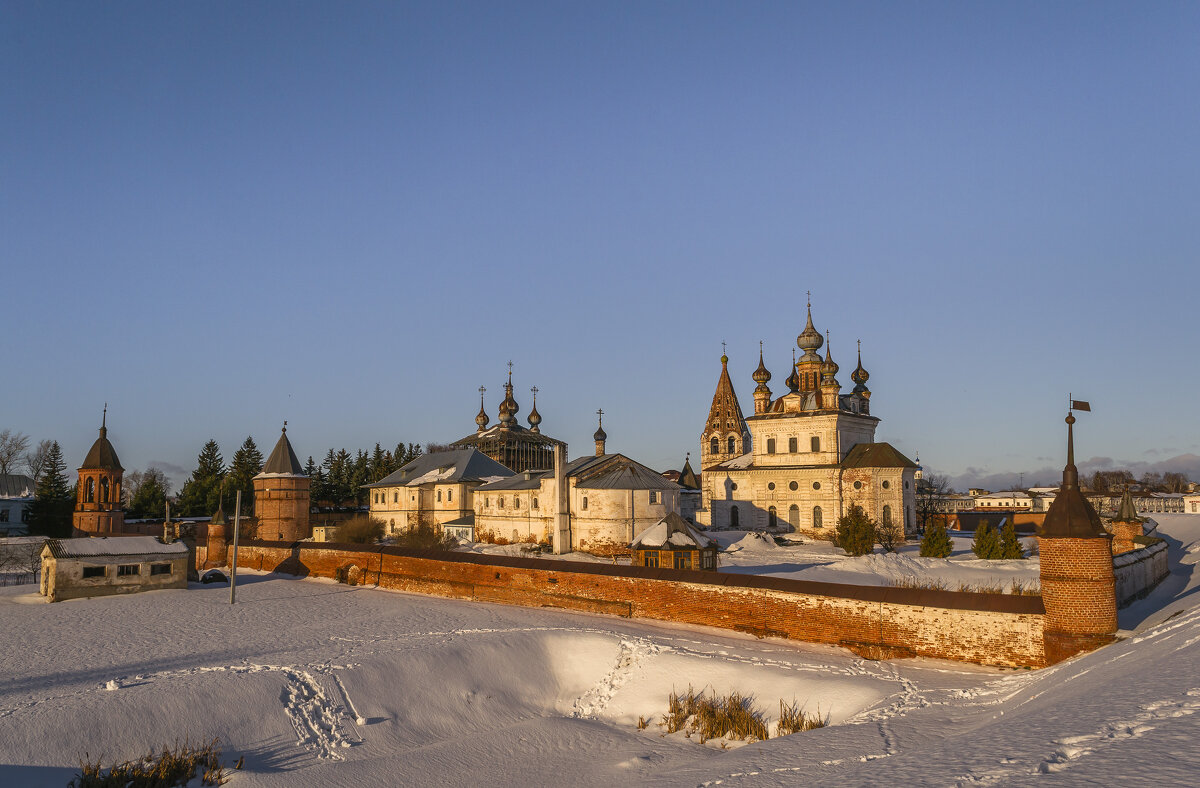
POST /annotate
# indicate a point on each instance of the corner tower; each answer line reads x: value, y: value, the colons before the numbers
x: 1078, y: 586
x: 725, y: 433
x: 281, y: 495
x: 98, y: 497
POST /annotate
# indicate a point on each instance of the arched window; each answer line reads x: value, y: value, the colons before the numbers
x: 104, y: 489
x: 816, y: 443
x: 535, y: 503
x: 732, y: 444
x: 516, y: 502
x: 887, y: 515
x: 770, y: 445
x: 733, y: 516
x: 793, y: 446
x: 439, y: 496
x: 90, y: 494
x: 816, y: 517
x: 449, y: 495
x: 500, y: 501
x: 772, y: 517
x: 585, y: 502
x: 714, y: 446
x: 794, y: 516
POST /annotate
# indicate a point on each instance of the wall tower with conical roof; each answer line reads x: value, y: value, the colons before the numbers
x: 1078, y: 586
x: 725, y: 433
x: 281, y: 495
x: 98, y: 496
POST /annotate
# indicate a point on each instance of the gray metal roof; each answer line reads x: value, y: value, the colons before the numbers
x: 283, y: 459
x: 15, y: 485
x: 876, y: 455
x: 96, y: 547
x: 606, y: 472
x: 456, y: 465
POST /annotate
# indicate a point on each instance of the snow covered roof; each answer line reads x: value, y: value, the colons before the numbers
x: 605, y: 472
x: 671, y: 531
x: 456, y: 465
x: 113, y: 546
x: 15, y: 485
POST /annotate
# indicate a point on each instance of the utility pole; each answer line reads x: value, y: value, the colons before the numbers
x: 237, y: 521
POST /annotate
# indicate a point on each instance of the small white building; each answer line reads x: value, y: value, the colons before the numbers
x: 106, y: 565
x: 1191, y: 503
x: 16, y: 501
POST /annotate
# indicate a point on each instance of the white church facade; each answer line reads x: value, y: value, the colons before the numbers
x: 804, y: 458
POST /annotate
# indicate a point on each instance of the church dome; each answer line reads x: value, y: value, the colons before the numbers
x: 102, y: 455
x: 829, y: 367
x: 762, y: 374
x: 810, y: 339
x: 600, y: 434
x: 860, y: 376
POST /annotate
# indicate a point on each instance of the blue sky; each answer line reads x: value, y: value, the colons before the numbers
x: 215, y: 216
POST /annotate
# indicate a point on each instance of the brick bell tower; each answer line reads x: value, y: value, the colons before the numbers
x: 1078, y: 586
x: 98, y: 495
x: 281, y: 496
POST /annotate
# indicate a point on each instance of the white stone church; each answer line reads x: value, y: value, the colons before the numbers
x: 803, y: 458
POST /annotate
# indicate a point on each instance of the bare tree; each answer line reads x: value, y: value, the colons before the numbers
x: 930, y: 491
x: 1175, y: 482
x: 35, y: 460
x: 12, y: 448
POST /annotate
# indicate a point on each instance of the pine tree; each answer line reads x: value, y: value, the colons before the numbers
x: 936, y: 542
x: 856, y: 531
x: 200, y: 492
x: 987, y: 542
x: 147, y: 493
x: 1010, y: 545
x: 247, y: 463
x: 54, y: 499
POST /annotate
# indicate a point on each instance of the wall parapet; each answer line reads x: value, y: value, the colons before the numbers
x: 874, y: 621
x: 1139, y: 571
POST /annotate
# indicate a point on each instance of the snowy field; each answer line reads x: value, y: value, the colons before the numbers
x: 320, y: 684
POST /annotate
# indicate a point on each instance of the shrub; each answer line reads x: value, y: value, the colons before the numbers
x: 793, y: 719
x: 1010, y: 545
x: 856, y: 531
x: 170, y: 768
x: 426, y: 536
x: 889, y: 536
x: 936, y: 542
x: 360, y: 529
x: 987, y: 543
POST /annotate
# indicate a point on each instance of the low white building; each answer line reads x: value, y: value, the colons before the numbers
x: 106, y: 565
x: 435, y: 488
x: 16, y: 501
x: 1191, y: 503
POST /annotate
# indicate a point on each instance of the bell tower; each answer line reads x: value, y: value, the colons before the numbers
x: 725, y: 433
x: 98, y: 497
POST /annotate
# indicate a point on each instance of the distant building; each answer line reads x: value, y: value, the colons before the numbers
x: 1191, y: 503
x: 98, y: 496
x: 607, y: 501
x: 102, y: 566
x: 434, y: 488
x: 690, y: 496
x: 16, y: 500
x: 672, y: 543
x: 508, y: 443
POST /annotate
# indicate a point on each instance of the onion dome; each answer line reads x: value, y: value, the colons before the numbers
x: 481, y: 418
x: 859, y: 375
x: 810, y: 340
x: 600, y: 434
x: 509, y: 407
x: 829, y: 368
x: 793, y: 381
x: 534, y: 417
x: 762, y: 374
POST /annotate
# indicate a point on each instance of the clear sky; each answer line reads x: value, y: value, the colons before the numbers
x: 219, y: 215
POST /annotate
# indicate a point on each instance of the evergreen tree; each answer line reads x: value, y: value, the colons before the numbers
x: 936, y: 542
x: 987, y: 542
x: 379, y: 464
x: 360, y: 474
x: 1010, y: 545
x: 54, y: 499
x: 247, y: 463
x: 199, y: 496
x: 856, y: 531
x: 147, y: 493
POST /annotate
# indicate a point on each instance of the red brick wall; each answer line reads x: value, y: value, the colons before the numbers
x: 877, y: 622
x: 1078, y: 587
x: 281, y: 505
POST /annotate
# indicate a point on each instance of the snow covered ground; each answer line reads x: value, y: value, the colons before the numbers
x: 321, y: 684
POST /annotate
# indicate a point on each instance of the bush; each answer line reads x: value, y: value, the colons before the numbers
x: 936, y: 542
x: 987, y: 542
x: 426, y: 536
x: 856, y: 531
x: 360, y: 529
x: 889, y: 536
x: 1010, y: 545
x: 170, y: 768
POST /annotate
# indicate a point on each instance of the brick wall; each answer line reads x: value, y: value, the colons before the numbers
x: 877, y: 622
